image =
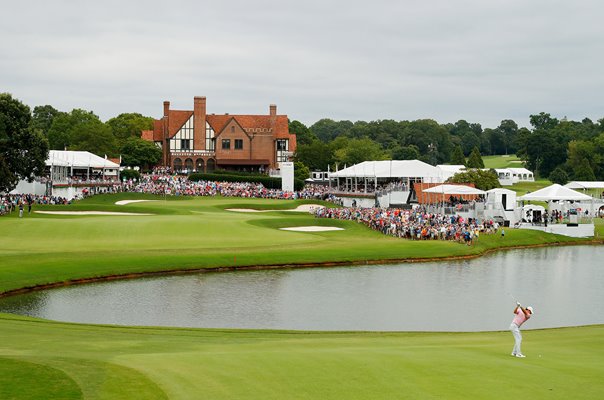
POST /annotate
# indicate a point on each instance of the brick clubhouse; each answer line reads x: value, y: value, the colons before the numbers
x: 198, y: 141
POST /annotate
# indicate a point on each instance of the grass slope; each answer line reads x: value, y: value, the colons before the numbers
x: 187, y: 233
x: 102, y: 362
x: 45, y: 359
x: 502, y: 161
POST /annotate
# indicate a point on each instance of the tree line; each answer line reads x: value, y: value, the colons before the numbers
x: 26, y: 135
x: 559, y: 150
x: 83, y: 130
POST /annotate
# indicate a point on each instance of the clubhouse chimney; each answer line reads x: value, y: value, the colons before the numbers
x: 166, y: 135
x: 199, y: 123
x: 273, y: 116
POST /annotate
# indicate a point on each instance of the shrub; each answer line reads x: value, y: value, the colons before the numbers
x: 130, y: 174
x: 266, y: 181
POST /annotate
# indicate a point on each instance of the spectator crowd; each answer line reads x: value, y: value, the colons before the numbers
x: 161, y: 183
x: 414, y: 224
x: 13, y: 202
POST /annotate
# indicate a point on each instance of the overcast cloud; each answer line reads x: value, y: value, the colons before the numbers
x: 482, y: 61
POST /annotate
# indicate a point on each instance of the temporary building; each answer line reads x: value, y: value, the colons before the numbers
x: 555, y: 192
x: 390, y: 169
x: 368, y: 176
x: 447, y: 171
x: 585, y: 185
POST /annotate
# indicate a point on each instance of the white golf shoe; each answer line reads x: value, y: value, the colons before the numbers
x: 520, y: 356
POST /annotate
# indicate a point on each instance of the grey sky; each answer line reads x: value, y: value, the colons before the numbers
x: 482, y: 61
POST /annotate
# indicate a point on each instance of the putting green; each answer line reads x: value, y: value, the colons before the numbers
x: 74, y: 361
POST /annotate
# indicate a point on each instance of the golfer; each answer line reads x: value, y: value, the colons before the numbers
x: 522, y: 314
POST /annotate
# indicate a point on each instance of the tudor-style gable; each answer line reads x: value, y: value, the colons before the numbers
x: 250, y: 142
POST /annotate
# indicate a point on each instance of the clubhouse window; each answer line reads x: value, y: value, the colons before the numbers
x: 238, y: 144
x: 226, y: 144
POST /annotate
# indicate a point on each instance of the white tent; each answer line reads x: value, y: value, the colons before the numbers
x: 585, y: 185
x: 454, y: 189
x: 555, y: 192
x: 448, y: 171
x: 391, y: 169
x: 78, y: 159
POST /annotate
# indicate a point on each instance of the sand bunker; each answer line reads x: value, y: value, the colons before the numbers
x: 312, y: 228
x: 301, y: 208
x: 88, y: 213
x: 124, y: 202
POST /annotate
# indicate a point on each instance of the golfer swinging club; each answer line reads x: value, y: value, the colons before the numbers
x: 522, y: 314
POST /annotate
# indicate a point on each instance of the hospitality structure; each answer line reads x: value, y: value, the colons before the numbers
x: 70, y: 174
x: 194, y: 140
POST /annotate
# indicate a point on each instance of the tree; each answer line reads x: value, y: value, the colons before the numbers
x: 543, y: 121
x: 410, y: 152
x: 475, y: 160
x: 138, y: 152
x: 559, y: 176
x: 508, y: 130
x: 129, y: 125
x: 316, y: 156
x: 82, y: 130
x: 327, y: 129
x: 431, y: 139
x: 359, y: 150
x: 301, y: 171
x: 470, y: 135
x: 58, y: 133
x: 23, y: 152
x: 42, y: 118
x: 583, y: 158
x: 457, y: 157
x: 483, y: 180
x: 95, y: 137
x: 584, y: 172
x: 303, y: 134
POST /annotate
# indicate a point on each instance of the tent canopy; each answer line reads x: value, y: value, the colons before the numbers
x: 389, y: 169
x: 555, y: 192
x: 501, y: 190
x: 78, y: 159
x: 584, y: 185
x: 454, y: 189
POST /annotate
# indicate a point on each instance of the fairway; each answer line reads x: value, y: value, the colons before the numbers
x: 49, y: 359
x: 198, y: 233
x: 102, y: 362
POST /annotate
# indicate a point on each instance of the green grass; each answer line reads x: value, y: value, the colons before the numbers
x: 103, y: 362
x: 522, y: 188
x: 502, y: 161
x: 187, y: 233
x: 45, y: 359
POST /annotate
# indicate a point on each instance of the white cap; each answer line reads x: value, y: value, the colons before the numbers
x: 530, y: 309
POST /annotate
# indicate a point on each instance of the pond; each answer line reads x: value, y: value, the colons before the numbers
x: 563, y: 284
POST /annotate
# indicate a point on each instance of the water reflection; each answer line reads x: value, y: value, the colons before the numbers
x: 563, y: 285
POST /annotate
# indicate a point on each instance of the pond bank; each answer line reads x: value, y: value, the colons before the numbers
x: 326, y: 264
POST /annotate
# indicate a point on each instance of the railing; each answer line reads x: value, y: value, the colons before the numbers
x: 452, y: 210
